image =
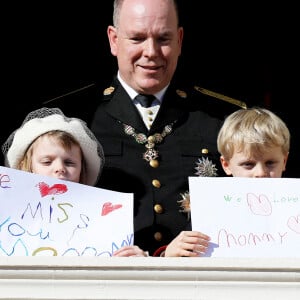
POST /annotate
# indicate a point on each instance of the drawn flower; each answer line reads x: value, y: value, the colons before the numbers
x: 204, y: 168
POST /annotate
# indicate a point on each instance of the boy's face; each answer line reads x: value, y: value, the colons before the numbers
x: 270, y: 163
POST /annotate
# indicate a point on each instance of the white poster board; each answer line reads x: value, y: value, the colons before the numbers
x: 247, y: 217
x: 42, y: 215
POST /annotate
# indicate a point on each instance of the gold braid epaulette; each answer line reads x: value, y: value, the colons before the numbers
x: 221, y: 97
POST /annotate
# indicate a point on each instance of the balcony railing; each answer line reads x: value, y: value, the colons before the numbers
x: 149, y: 278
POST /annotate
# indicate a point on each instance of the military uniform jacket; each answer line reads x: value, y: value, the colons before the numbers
x: 157, y: 189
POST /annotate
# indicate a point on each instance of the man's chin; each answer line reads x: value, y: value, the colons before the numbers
x: 151, y: 85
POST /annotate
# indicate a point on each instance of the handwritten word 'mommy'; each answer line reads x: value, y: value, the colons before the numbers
x: 250, y: 239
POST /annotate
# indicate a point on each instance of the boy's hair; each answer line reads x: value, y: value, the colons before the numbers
x: 252, y: 130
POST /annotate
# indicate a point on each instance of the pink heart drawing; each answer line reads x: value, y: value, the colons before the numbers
x: 259, y: 205
x: 108, y: 207
x: 294, y: 223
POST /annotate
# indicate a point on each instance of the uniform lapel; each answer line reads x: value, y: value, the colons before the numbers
x: 121, y: 107
x: 171, y: 110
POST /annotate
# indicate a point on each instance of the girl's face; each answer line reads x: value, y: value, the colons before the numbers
x: 49, y: 158
x: 270, y: 164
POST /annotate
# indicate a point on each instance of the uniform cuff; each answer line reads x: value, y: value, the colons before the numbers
x: 160, y: 251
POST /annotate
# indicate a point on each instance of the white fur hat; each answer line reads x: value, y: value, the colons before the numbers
x: 44, y: 120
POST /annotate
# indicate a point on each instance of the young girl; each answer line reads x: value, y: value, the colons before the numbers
x: 254, y: 142
x: 51, y: 144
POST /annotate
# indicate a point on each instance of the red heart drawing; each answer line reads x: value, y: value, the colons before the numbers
x: 108, y: 207
x: 259, y: 205
x: 55, y: 189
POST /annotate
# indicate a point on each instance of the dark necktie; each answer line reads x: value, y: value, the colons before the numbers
x: 145, y: 100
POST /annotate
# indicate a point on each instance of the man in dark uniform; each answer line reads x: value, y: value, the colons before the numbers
x: 152, y: 148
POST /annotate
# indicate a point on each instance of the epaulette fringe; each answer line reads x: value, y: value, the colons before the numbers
x: 221, y: 97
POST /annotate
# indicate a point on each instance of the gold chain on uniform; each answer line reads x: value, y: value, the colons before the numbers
x: 150, y: 154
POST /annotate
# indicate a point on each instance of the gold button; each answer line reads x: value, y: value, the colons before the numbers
x: 158, y: 208
x: 150, y: 119
x: 156, y: 183
x: 150, y: 112
x: 158, y: 236
x: 204, y: 151
x: 154, y: 163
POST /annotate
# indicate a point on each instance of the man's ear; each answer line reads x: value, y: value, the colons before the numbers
x: 112, y: 38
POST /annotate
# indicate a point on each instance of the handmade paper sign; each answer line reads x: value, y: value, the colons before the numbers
x: 42, y: 215
x: 247, y: 217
